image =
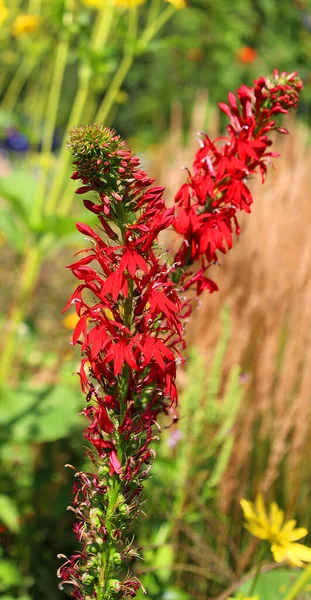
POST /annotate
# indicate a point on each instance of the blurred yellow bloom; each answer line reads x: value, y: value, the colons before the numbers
x: 124, y: 3
x: 70, y: 321
x: 3, y: 12
x: 24, y: 24
x: 128, y: 3
x: 177, y: 3
x: 241, y: 597
x: 94, y: 3
x: 282, y: 536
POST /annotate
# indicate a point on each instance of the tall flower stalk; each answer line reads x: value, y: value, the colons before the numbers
x: 130, y: 326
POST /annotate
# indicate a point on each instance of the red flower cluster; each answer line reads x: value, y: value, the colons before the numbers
x: 129, y: 327
x: 130, y: 316
x: 216, y: 189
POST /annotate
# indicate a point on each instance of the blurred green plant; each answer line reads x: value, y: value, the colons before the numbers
x: 191, y: 460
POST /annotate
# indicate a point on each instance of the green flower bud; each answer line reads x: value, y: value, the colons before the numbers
x: 92, y: 548
x: 114, y: 584
x: 116, y: 558
x: 103, y: 471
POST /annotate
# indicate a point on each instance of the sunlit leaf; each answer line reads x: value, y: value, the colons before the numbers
x: 8, y: 513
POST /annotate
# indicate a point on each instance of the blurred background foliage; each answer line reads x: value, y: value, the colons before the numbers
x: 155, y: 73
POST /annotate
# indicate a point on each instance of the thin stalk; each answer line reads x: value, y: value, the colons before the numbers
x: 64, y: 157
x: 17, y: 83
x: 100, y: 35
x: 28, y: 279
x: 153, y: 29
x: 114, y: 88
x: 123, y: 391
x: 299, y: 585
x: 153, y: 12
x: 50, y: 122
x: 255, y: 580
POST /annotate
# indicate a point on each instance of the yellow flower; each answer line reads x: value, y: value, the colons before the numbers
x: 94, y: 3
x: 242, y: 597
x: 24, y: 24
x: 177, y: 3
x: 3, y: 12
x: 125, y: 3
x: 70, y: 321
x: 128, y: 3
x: 282, y: 536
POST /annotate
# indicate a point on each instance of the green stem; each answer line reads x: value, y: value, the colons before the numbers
x: 114, y: 88
x: 28, y: 279
x: 100, y: 35
x: 299, y: 585
x: 64, y: 156
x: 122, y: 70
x: 50, y: 122
x: 153, y: 29
x: 15, y: 87
x: 256, y: 576
x: 154, y: 8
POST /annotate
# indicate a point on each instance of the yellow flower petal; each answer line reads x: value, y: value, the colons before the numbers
x: 70, y: 321
x: 128, y: 3
x: 296, y: 554
x: 276, y: 517
x: 288, y: 528
x: 177, y: 3
x: 94, y: 3
x: 248, y: 509
x: 278, y: 553
x: 260, y: 508
x: 258, y: 531
x: 297, y: 534
x: 4, y: 13
x: 24, y: 24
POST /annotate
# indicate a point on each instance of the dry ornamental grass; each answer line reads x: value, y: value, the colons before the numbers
x: 266, y: 283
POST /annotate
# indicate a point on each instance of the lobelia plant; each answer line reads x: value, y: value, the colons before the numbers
x: 132, y: 316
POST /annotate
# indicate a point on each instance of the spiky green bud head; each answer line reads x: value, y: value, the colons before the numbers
x: 104, y: 161
x: 89, y: 142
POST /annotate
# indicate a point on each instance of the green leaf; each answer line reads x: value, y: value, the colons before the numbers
x: 9, y: 575
x: 8, y: 513
x: 23, y: 597
x: 173, y: 593
x: 41, y: 415
x: 273, y: 585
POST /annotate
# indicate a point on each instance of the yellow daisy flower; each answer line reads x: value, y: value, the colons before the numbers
x: 4, y: 13
x: 282, y: 536
x: 24, y: 24
x: 177, y: 3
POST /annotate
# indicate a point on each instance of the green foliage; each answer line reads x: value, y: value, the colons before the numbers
x: 201, y: 49
x: 29, y: 415
x: 191, y: 460
x: 273, y: 585
x: 9, y: 514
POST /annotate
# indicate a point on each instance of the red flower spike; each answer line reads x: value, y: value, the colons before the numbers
x: 206, y: 205
x: 130, y: 326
